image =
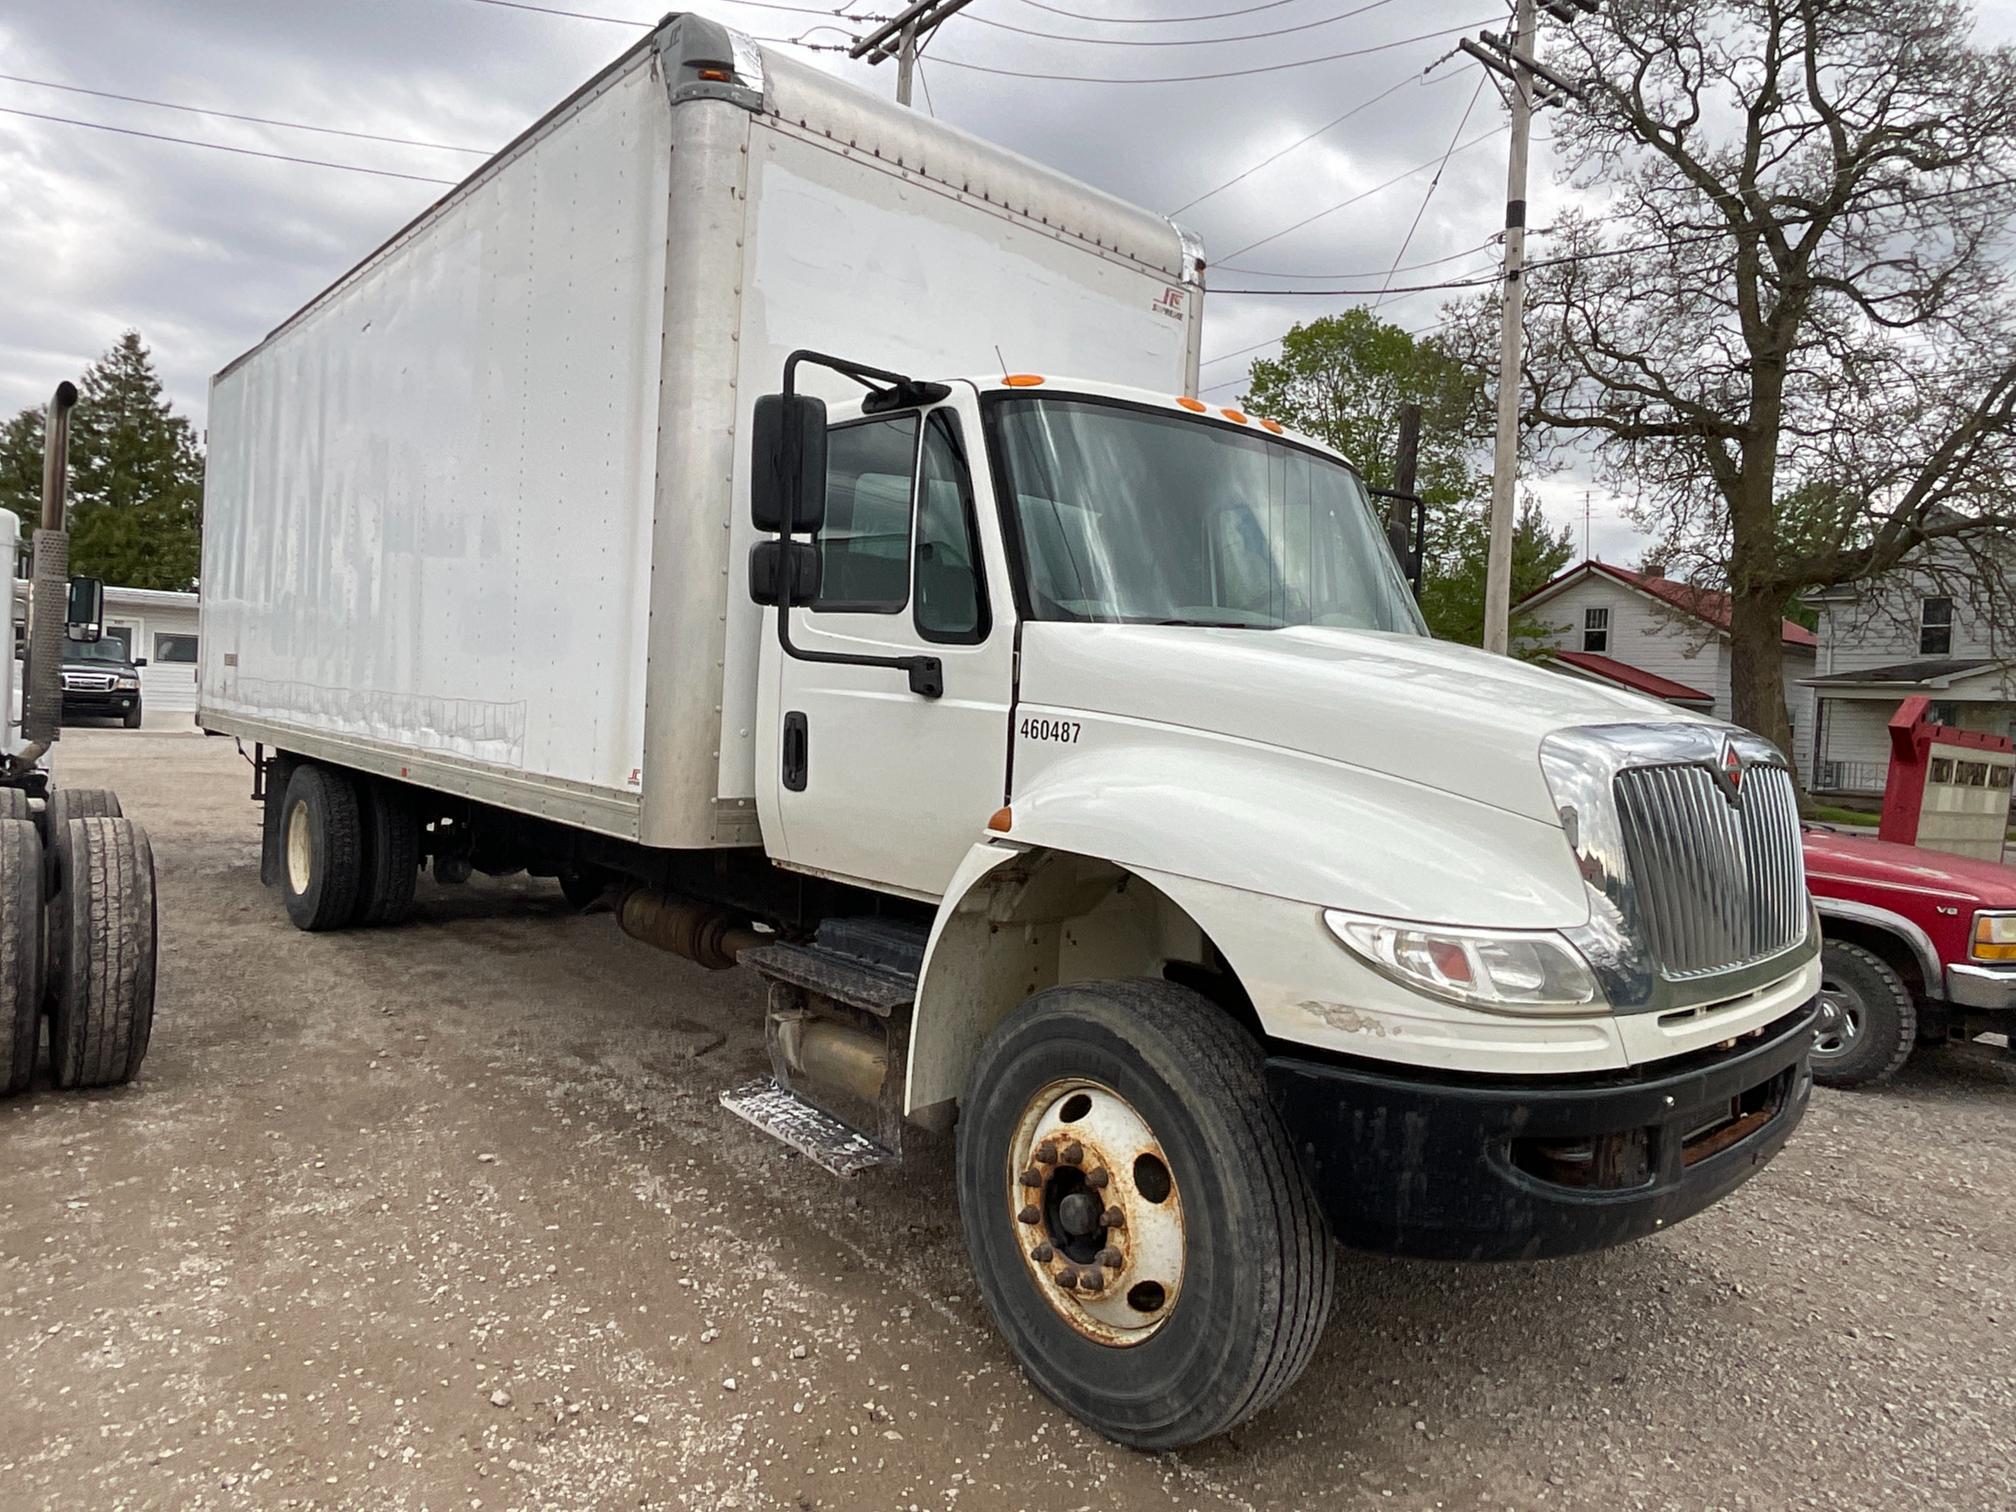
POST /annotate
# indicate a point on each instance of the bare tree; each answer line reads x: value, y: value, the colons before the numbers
x: 1782, y: 316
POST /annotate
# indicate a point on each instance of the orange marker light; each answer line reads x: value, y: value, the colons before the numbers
x: 715, y: 75
x: 1234, y: 416
x: 1023, y: 380
x: 1271, y: 425
x: 1195, y: 406
x: 1001, y: 821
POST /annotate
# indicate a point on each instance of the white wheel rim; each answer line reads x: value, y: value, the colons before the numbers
x: 1079, y: 1143
x: 298, y: 873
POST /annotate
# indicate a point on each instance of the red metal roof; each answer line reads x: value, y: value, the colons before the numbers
x: 1636, y: 678
x: 1709, y: 604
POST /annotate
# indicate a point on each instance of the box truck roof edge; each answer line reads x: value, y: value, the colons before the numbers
x: 690, y: 49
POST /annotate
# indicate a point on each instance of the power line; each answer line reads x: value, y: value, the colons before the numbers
x: 1422, y: 209
x: 278, y: 157
x: 1301, y: 141
x: 574, y: 15
x: 1228, y: 73
x: 1157, y: 20
x: 1368, y: 193
x: 229, y: 115
x: 1084, y: 41
x: 1430, y: 262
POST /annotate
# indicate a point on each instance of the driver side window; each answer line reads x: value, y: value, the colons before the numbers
x: 864, y: 546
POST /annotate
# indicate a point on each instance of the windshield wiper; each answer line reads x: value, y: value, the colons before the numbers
x: 1204, y: 624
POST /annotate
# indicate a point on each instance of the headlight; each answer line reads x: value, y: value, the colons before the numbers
x: 1511, y: 971
x: 126, y: 684
x: 1994, y: 937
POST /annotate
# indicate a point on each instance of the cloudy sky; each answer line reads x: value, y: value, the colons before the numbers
x: 205, y: 250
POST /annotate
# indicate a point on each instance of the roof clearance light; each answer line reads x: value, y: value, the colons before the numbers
x: 716, y: 75
x: 1235, y: 416
x: 1272, y: 425
x: 1023, y: 380
x: 1195, y: 406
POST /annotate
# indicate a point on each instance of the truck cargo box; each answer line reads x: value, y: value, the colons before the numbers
x: 471, y: 514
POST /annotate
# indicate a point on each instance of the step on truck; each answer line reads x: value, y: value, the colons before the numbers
x: 77, y: 915
x: 1066, y: 753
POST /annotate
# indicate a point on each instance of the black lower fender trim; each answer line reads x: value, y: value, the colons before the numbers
x: 1427, y: 1168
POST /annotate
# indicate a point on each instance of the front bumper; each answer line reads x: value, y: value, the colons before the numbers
x: 1470, y: 1168
x: 1981, y: 986
x: 96, y: 705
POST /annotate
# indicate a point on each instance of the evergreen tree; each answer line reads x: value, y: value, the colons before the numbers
x: 136, y: 477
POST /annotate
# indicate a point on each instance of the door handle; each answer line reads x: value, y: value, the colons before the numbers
x: 797, y: 742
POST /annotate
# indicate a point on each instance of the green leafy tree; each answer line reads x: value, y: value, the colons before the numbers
x: 136, y: 475
x: 1344, y: 378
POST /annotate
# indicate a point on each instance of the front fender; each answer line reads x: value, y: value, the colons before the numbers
x: 1268, y: 820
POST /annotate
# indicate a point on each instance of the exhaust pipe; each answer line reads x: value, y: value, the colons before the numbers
x: 49, y: 588
x: 701, y: 932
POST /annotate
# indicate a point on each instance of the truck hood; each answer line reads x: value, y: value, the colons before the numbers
x: 1834, y: 857
x: 1448, y: 717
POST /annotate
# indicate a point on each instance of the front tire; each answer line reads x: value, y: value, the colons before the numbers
x: 1206, y: 1299
x: 1869, y: 1021
x: 321, y: 849
x: 132, y: 718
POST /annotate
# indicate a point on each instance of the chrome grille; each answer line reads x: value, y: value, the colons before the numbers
x: 88, y: 682
x: 1720, y: 884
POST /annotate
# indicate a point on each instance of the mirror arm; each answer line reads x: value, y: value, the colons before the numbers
x: 926, y: 673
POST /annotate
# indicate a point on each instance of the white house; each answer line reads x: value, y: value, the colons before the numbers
x: 152, y: 623
x: 1647, y: 633
x: 1911, y: 632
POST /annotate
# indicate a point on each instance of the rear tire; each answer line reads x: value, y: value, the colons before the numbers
x: 104, y: 1011
x: 321, y: 849
x: 14, y: 804
x: 1869, y: 1021
x: 390, y: 861
x: 65, y: 804
x: 1219, y: 1319
x: 21, y: 883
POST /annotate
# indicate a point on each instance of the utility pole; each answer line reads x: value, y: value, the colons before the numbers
x: 906, y: 64
x: 1511, y: 331
x: 1513, y: 58
x: 898, y: 38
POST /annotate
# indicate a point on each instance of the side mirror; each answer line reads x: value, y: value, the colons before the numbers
x: 784, y: 572
x: 139, y: 661
x: 787, y: 473
x: 85, y: 620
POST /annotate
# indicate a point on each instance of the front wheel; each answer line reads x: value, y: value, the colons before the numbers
x: 1136, y: 1217
x: 133, y: 717
x: 1868, y: 1021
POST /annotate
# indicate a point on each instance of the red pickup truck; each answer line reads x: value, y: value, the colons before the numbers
x: 1920, y: 948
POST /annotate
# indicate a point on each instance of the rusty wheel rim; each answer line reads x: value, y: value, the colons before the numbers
x: 1097, y: 1217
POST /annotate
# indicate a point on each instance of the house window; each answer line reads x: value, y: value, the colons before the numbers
x: 175, y: 648
x: 1596, y: 630
x: 1935, y: 626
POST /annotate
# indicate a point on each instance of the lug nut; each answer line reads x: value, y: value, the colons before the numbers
x: 1097, y: 1179
x: 1074, y: 1152
x: 1113, y: 1218
x: 1067, y: 1278
x: 1111, y: 1258
x: 1042, y: 1254
x: 1032, y: 1177
x: 1030, y: 1213
x: 1091, y: 1281
x: 1046, y: 1154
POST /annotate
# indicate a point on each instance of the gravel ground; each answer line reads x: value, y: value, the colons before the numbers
x: 447, y: 1217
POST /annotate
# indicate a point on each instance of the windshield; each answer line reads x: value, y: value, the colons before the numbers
x: 1138, y: 516
x: 107, y: 650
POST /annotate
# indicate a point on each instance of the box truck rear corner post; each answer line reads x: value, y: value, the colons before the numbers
x: 1067, y: 753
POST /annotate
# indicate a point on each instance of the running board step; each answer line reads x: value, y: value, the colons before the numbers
x: 817, y: 1135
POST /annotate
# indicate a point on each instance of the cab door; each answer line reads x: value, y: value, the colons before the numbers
x: 876, y: 779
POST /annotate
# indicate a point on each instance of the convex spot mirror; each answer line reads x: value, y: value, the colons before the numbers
x: 787, y: 474
x: 784, y: 572
x: 85, y: 620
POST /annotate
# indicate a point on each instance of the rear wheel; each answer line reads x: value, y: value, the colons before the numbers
x: 389, y: 864
x: 1868, y: 1021
x: 14, y: 803
x: 321, y: 849
x: 1135, y: 1214
x: 104, y: 1001
x: 21, y: 884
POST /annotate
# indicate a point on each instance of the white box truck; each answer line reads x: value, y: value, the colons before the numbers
x: 1067, y: 753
